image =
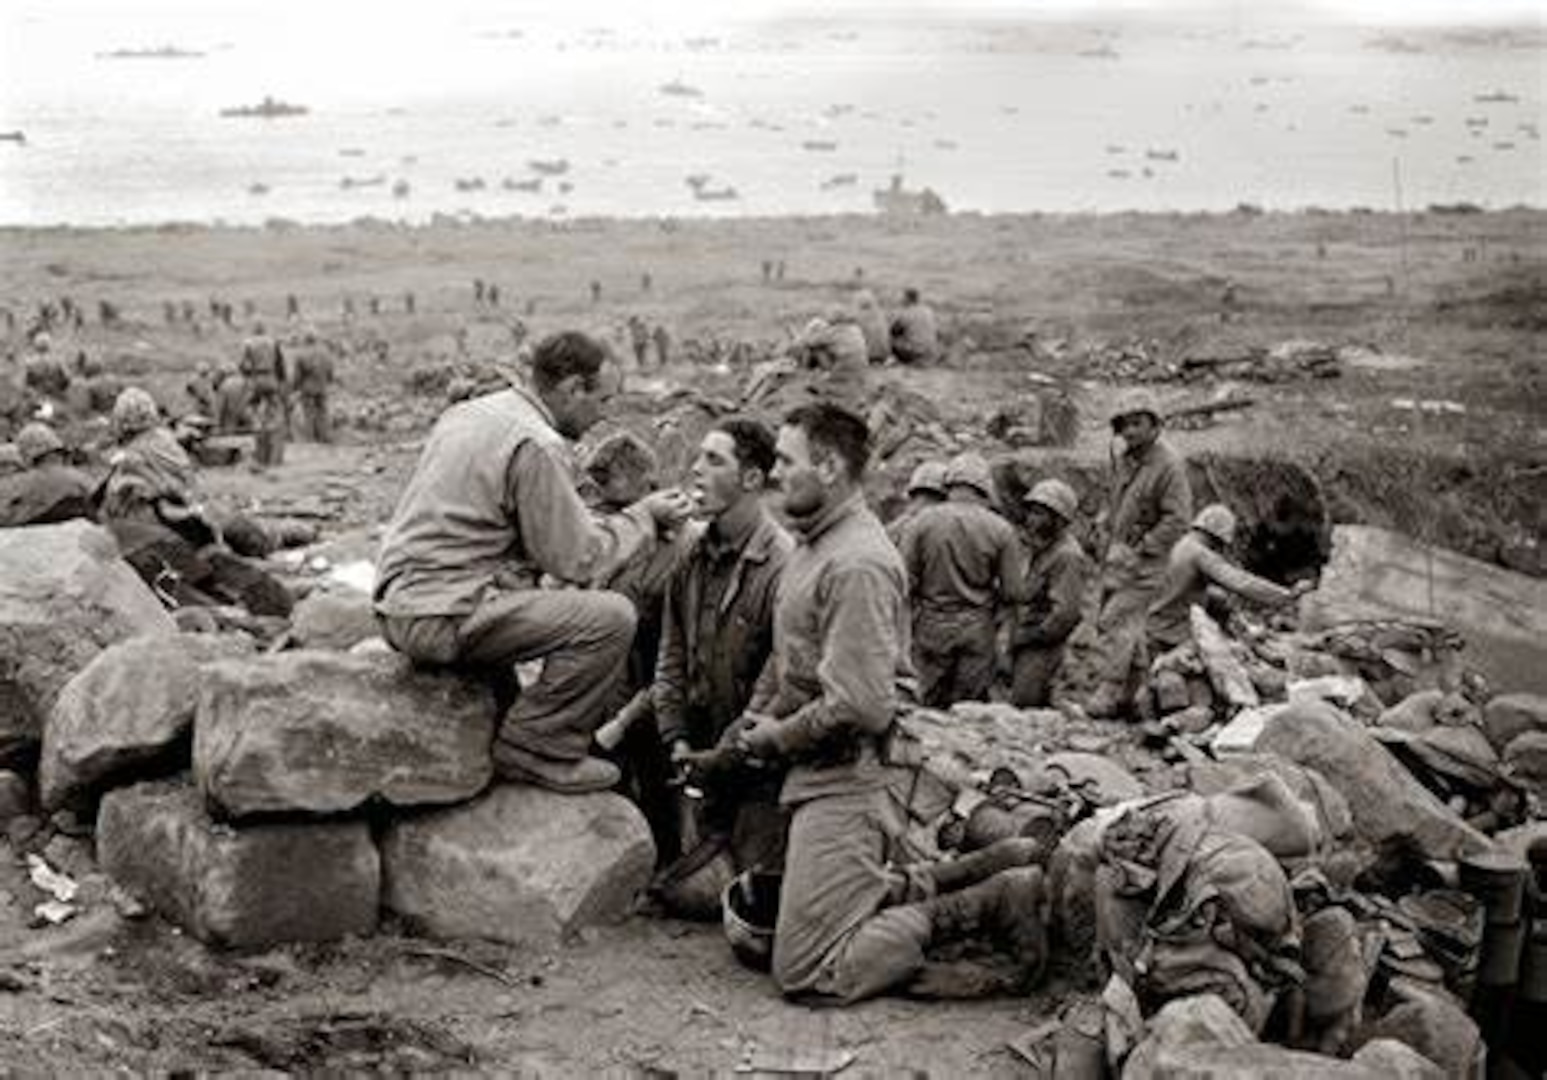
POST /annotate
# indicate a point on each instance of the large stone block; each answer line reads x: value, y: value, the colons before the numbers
x: 1378, y: 574
x: 518, y: 865
x: 65, y: 595
x: 247, y: 887
x: 1387, y: 802
x: 130, y: 708
x: 323, y: 732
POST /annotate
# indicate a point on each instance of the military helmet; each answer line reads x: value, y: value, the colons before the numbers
x: 749, y: 910
x: 929, y: 476
x: 1134, y: 401
x: 134, y: 411
x: 1057, y: 496
x: 970, y: 470
x: 37, y: 440
x: 1218, y: 521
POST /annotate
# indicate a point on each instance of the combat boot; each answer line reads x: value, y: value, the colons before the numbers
x: 1009, y: 909
x: 981, y: 865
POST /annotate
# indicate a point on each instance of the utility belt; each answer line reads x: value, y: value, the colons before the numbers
x: 896, y: 747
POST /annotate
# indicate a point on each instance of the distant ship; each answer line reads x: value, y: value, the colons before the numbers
x: 473, y: 183
x: 349, y: 182
x: 819, y: 145
x: 945, y: 144
x: 401, y: 189
x: 267, y: 109
x: 1497, y: 97
x: 1100, y: 52
x: 1160, y: 155
x: 898, y: 201
x: 555, y: 167
x: 847, y: 179
x: 13, y: 136
x: 696, y: 180
x: 535, y: 183
x: 160, y: 52
x: 707, y: 194
x: 257, y: 189
x: 678, y: 88
x: 351, y: 151
x: 1118, y: 174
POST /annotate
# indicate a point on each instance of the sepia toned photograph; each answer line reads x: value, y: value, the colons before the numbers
x: 779, y: 538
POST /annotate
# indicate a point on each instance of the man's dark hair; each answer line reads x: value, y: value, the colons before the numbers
x: 558, y: 356
x: 621, y: 454
x: 754, y: 442
x: 835, y: 430
x: 910, y: 296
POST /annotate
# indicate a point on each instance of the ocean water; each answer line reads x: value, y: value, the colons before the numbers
x: 992, y: 115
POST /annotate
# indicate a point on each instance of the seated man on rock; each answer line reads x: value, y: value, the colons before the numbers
x: 856, y: 914
x: 490, y: 509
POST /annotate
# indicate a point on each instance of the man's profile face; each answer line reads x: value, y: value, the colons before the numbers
x: 579, y: 403
x: 718, y: 480
x: 798, y: 477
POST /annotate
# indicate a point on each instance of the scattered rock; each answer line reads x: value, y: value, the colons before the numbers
x: 1387, y: 802
x: 322, y: 732
x: 1397, y: 1061
x: 131, y: 707
x: 1427, y: 709
x: 1432, y: 1023
x: 518, y: 865
x: 251, y: 887
x: 1240, y: 735
x: 1187, y: 1023
x: 1511, y: 715
x: 1259, y: 1061
x: 1518, y: 841
x: 65, y: 595
x: 333, y: 620
x: 15, y: 797
x: 1526, y: 759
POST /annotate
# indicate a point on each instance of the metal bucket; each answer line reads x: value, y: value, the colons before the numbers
x: 1498, y: 879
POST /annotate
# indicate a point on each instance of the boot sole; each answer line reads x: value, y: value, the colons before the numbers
x: 509, y: 771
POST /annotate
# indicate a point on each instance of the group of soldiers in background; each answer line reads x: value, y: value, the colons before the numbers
x: 703, y: 653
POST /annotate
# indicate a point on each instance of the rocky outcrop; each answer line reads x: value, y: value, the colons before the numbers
x: 65, y: 595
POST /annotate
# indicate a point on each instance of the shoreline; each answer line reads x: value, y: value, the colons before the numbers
x: 281, y: 226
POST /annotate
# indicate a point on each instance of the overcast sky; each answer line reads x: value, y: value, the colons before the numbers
x: 1395, y: 12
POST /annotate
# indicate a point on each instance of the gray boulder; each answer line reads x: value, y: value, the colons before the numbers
x: 1388, y: 803
x: 323, y: 732
x: 132, y: 707
x: 1510, y: 715
x: 65, y: 595
x: 1526, y: 759
x: 251, y: 887
x: 1397, y: 1061
x: 1186, y: 1024
x: 518, y: 865
x: 333, y: 620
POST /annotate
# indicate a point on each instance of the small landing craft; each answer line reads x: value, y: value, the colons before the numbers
x: 267, y: 109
